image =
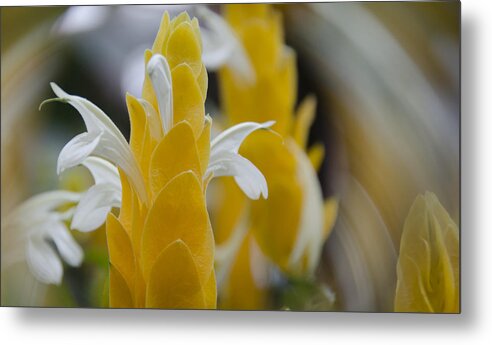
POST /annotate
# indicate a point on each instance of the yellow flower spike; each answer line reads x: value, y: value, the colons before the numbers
x: 273, y: 94
x: 167, y: 161
x: 161, y: 246
x: 428, y: 264
x: 291, y: 226
x: 179, y: 207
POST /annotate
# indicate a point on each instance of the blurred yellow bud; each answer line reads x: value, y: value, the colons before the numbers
x: 428, y: 266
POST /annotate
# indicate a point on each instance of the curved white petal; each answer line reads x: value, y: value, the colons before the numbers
x: 39, y: 205
x: 26, y: 232
x: 310, y: 234
x: 232, y: 138
x: 103, y: 171
x: 160, y: 76
x: 69, y: 250
x: 77, y: 149
x: 222, y: 47
x: 43, y: 262
x: 111, y: 145
x: 93, y: 208
x: 246, y: 174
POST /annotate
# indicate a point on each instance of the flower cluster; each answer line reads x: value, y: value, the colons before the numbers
x: 161, y: 245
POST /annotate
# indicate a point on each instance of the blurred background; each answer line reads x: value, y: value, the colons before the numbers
x: 387, y: 80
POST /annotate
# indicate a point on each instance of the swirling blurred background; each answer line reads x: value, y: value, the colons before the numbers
x: 387, y: 80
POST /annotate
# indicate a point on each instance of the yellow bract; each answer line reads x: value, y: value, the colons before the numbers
x: 162, y: 252
x: 428, y: 265
x: 274, y: 222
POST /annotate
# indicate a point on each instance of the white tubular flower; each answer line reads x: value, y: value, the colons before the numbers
x: 102, y: 139
x: 99, y: 199
x: 221, y: 47
x: 226, y: 161
x: 160, y: 76
x: 311, y: 227
x: 29, y: 229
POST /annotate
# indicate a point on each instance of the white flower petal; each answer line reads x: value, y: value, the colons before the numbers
x: 160, y: 76
x: 103, y: 171
x: 94, y: 118
x: 221, y: 47
x: 40, y: 205
x: 247, y: 176
x: 43, y: 262
x: 310, y: 234
x: 69, y: 250
x: 93, y: 208
x: 111, y: 146
x: 77, y: 149
x: 232, y: 138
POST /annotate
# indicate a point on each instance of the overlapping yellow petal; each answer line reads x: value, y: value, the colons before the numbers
x: 179, y: 213
x: 187, y: 98
x: 428, y: 265
x: 174, y: 154
x: 173, y: 281
x: 275, y: 220
x: 120, y: 249
x: 183, y: 46
x: 120, y: 295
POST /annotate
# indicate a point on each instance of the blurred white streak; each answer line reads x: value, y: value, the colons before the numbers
x: 402, y: 77
x: 444, y: 50
x: 364, y: 252
x: 79, y: 19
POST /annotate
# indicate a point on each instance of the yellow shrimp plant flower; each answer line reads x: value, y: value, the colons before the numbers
x: 161, y: 245
x: 258, y: 81
x: 428, y: 265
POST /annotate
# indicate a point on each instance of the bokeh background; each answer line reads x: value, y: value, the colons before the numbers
x: 387, y: 79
